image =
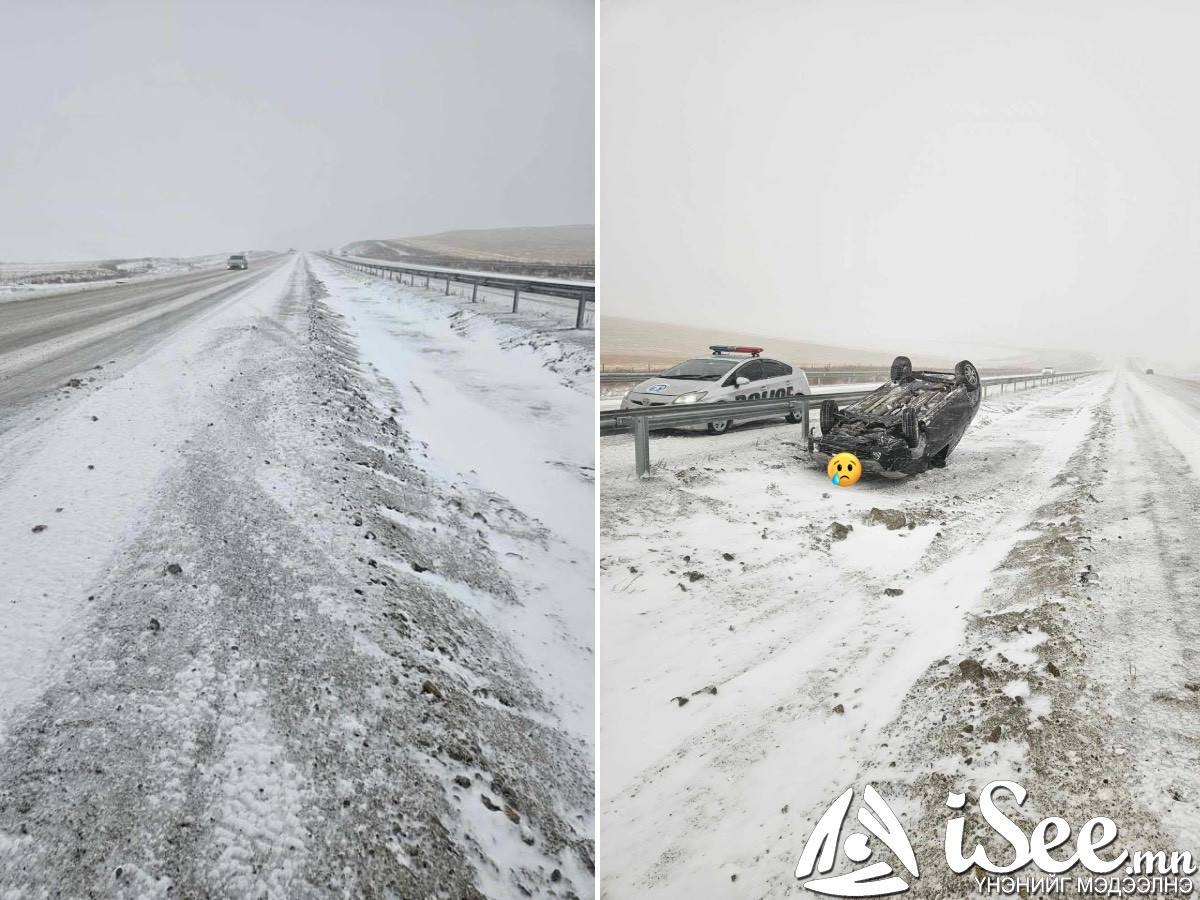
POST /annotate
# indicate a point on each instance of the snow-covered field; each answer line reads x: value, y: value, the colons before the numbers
x: 1026, y: 613
x: 277, y: 622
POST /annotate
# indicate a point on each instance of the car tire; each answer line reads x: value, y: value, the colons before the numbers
x: 719, y: 427
x: 829, y: 411
x: 901, y: 368
x: 795, y: 418
x: 967, y: 375
x: 910, y: 427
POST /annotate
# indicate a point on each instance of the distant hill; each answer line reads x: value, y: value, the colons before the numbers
x: 558, y: 245
x: 632, y: 344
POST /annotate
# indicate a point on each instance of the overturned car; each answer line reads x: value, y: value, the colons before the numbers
x: 906, y: 426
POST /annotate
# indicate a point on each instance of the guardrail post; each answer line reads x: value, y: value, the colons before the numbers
x: 447, y: 285
x: 582, y: 307
x: 475, y: 291
x: 641, y: 445
x: 516, y: 297
x: 804, y: 421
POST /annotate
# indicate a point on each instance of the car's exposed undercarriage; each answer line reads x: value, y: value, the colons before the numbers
x: 907, y: 425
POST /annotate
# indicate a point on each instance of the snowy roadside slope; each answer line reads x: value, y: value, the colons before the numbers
x: 489, y: 407
x: 722, y: 585
x: 544, y: 326
x: 304, y: 659
x: 493, y: 420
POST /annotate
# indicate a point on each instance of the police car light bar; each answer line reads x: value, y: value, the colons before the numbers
x: 718, y: 349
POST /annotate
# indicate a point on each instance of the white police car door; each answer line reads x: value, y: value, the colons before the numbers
x: 768, y: 378
x: 751, y: 370
x: 778, y: 379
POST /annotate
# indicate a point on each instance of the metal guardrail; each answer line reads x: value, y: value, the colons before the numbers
x: 815, y: 376
x: 583, y: 292
x: 408, y: 254
x: 640, y: 422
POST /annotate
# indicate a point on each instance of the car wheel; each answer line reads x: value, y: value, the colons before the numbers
x: 910, y: 428
x: 829, y: 411
x: 719, y: 427
x: 967, y: 375
x: 901, y: 368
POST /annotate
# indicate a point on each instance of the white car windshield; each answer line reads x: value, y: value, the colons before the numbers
x: 700, y: 369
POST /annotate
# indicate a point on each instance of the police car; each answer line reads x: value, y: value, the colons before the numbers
x: 731, y: 373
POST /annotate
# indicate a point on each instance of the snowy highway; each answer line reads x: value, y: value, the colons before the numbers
x: 1027, y: 613
x: 285, y: 608
x: 46, y: 339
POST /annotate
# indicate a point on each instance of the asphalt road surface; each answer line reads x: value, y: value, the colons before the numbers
x: 47, y: 339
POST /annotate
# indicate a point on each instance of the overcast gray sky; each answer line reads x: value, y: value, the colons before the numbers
x: 132, y: 127
x: 876, y: 173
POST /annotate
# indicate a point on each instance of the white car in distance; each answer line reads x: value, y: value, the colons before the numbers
x: 730, y: 374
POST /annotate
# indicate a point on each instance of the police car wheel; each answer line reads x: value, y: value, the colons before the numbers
x: 719, y: 427
x: 795, y: 418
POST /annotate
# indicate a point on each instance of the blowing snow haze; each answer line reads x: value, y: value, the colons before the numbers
x: 178, y: 129
x: 876, y: 175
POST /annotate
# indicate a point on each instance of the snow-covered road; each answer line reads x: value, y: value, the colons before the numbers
x: 757, y: 663
x: 271, y: 624
x: 47, y: 339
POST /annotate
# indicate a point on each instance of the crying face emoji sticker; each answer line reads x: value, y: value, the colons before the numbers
x: 844, y: 469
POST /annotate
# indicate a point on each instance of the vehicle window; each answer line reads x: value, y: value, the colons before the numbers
x: 751, y: 370
x: 772, y: 368
x: 699, y: 369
